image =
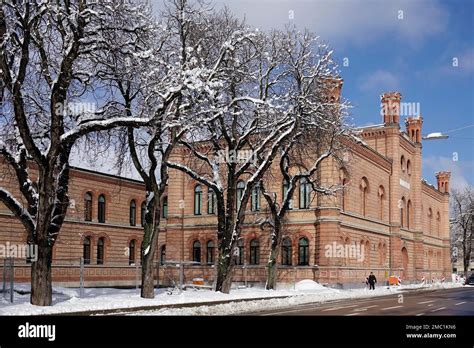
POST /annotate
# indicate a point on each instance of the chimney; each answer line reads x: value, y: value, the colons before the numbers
x: 390, y: 104
x: 413, y: 126
x: 332, y: 87
x: 443, y: 181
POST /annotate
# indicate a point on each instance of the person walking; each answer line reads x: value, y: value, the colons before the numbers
x: 372, y: 280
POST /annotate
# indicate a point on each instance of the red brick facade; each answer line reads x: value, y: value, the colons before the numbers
x: 402, y: 222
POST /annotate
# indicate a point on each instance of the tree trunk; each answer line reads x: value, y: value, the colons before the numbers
x: 272, y: 271
x: 149, y: 241
x: 466, y: 259
x: 224, y: 272
x: 148, y: 281
x: 41, y: 283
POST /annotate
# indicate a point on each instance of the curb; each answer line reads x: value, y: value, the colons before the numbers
x: 119, y: 311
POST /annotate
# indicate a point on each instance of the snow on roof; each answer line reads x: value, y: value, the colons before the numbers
x: 371, y: 126
x: 423, y: 180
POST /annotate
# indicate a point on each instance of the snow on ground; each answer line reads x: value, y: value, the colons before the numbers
x: 307, y: 291
x: 303, y: 297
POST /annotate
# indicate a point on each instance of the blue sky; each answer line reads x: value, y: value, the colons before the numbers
x: 411, y: 52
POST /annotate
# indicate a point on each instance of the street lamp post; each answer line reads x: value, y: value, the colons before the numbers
x: 435, y: 136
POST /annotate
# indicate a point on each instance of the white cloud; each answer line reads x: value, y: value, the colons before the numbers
x: 352, y: 22
x: 380, y: 80
x: 460, y: 170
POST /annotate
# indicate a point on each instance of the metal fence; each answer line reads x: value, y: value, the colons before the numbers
x: 8, y: 278
x: 72, y: 272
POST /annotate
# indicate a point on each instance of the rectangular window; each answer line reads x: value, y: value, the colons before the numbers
x: 256, y: 199
x: 211, y: 198
x: 87, y: 210
x: 305, y: 194
x: 165, y: 208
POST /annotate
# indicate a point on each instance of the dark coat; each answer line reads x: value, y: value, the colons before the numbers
x: 372, y: 279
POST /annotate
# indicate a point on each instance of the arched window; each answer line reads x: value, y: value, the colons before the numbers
x: 100, y: 251
x: 382, y: 254
x: 404, y: 262
x: 143, y: 214
x: 401, y: 205
x: 366, y: 254
x: 409, y: 214
x: 364, y: 191
x: 254, y: 252
x: 88, y: 206
x: 164, y: 208
x: 163, y: 254
x: 438, y: 223
x: 286, y: 252
x: 402, y: 164
x: 422, y: 220
x: 131, y: 252
x: 381, y: 201
x: 86, y: 250
x: 256, y: 198
x: 239, y: 193
x: 303, y: 251
x: 430, y: 221
x: 347, y: 244
x: 408, y: 167
x: 239, y: 260
x: 343, y: 195
x: 101, y: 209
x: 211, y: 202
x: 133, y: 213
x: 197, y: 200
x: 210, y: 252
x: 197, y: 251
x: 305, y: 193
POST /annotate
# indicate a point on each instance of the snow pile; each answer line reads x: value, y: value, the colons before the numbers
x: 309, y: 284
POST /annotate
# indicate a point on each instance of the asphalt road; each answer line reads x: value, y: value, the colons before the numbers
x: 459, y: 301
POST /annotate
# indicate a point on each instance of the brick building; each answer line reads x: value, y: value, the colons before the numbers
x: 387, y: 210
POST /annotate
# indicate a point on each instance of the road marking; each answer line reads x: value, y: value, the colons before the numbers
x: 420, y: 314
x: 460, y: 303
x: 364, y: 308
x: 351, y: 314
x: 337, y: 308
x: 283, y: 312
x: 386, y: 309
x: 426, y: 302
x: 438, y: 309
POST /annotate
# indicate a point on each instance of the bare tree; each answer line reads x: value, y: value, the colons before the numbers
x: 248, y: 118
x: 462, y: 205
x: 48, y: 54
x: 317, y: 137
x: 173, y: 65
